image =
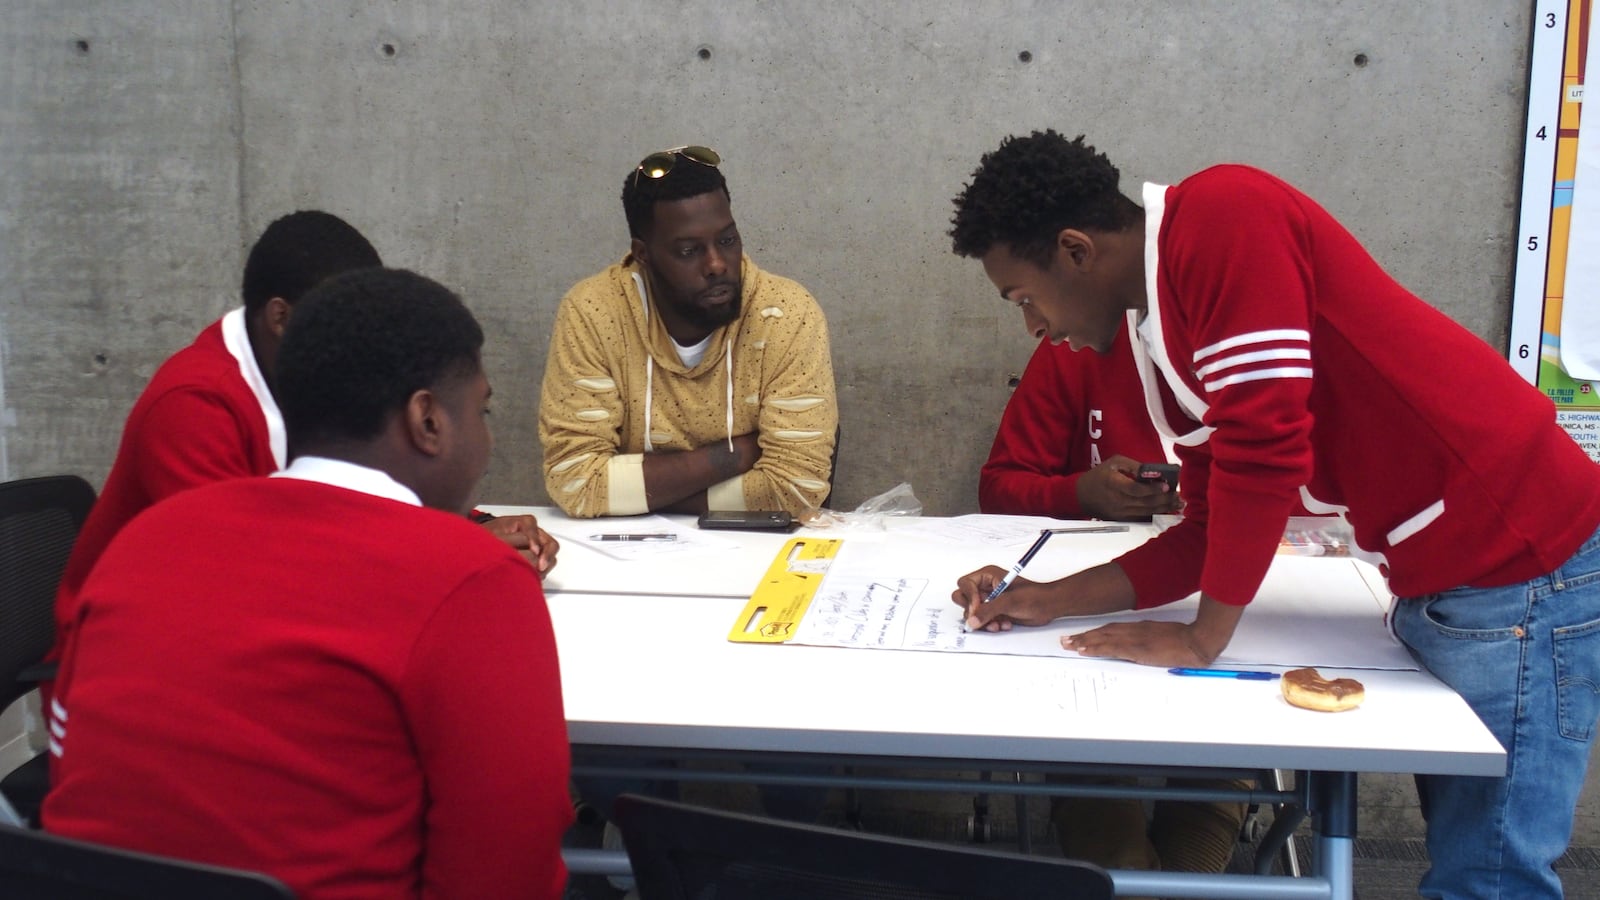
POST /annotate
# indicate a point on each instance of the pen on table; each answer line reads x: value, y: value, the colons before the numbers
x: 663, y: 536
x: 1240, y: 674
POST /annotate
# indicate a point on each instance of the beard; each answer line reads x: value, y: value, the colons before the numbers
x: 691, y: 310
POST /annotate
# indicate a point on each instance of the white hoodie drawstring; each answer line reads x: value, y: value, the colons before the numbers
x: 729, y: 345
x: 650, y: 373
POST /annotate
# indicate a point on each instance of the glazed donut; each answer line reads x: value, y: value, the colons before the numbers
x: 1307, y: 689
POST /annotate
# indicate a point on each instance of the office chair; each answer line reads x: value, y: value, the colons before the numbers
x: 682, y: 852
x: 39, y: 521
x: 35, y: 865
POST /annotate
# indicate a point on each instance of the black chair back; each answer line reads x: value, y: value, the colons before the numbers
x: 682, y: 852
x: 39, y: 521
x: 39, y: 866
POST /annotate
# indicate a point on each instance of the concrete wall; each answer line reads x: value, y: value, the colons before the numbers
x: 145, y: 143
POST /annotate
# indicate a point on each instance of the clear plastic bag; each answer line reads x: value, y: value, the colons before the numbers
x: 897, y: 501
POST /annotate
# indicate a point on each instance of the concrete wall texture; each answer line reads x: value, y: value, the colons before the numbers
x: 145, y: 143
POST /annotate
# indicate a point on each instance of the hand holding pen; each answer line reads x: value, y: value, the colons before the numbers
x: 975, y: 591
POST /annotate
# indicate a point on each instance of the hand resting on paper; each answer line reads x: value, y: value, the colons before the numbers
x: 524, y: 535
x: 1096, y: 591
x: 1165, y: 644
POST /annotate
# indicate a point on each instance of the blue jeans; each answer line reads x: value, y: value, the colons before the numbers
x: 1527, y: 660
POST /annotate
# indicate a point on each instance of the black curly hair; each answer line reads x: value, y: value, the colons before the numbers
x: 688, y: 178
x: 1024, y: 193
x: 299, y: 250
x: 360, y: 344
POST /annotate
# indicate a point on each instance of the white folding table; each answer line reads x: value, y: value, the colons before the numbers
x: 650, y: 674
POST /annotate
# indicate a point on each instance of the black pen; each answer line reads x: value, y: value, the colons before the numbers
x: 662, y: 536
x: 1017, y: 569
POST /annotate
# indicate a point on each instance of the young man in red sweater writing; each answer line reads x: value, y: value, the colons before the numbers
x: 330, y: 675
x: 1285, y: 363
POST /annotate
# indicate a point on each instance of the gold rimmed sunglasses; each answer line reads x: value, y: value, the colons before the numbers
x: 659, y: 163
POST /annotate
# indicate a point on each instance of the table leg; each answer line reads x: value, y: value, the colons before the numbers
x: 1333, y: 799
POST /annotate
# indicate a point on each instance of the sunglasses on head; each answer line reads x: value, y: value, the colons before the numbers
x: 659, y: 163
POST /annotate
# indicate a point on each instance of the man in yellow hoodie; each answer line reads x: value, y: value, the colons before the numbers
x: 684, y: 378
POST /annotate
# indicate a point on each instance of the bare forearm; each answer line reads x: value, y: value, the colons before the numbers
x: 677, y: 481
x: 1213, y: 627
x: 1095, y: 591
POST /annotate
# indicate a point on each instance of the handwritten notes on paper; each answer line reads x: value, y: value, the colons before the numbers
x: 895, y: 613
x: 895, y: 598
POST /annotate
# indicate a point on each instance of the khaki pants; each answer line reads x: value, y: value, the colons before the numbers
x: 1180, y: 837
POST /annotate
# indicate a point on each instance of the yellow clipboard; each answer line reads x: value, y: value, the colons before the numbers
x: 785, y: 591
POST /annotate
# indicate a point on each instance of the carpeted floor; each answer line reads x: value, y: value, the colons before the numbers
x: 1388, y: 869
x: 1385, y: 868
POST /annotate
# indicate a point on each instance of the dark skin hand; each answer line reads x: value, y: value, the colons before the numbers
x: 523, y: 533
x: 1097, y: 591
x: 1108, y: 491
x: 676, y: 481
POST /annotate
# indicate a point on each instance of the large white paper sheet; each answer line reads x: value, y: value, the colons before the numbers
x: 1310, y: 612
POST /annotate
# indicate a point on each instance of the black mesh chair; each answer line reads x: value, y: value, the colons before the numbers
x: 39, y: 521
x: 681, y: 852
x: 39, y: 866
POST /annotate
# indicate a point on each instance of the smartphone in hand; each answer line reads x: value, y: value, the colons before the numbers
x: 1150, y: 473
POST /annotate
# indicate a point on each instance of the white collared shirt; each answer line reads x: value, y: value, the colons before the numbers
x: 349, y: 475
x: 237, y: 341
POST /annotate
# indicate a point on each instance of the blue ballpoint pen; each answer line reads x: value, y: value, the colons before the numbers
x: 1240, y: 674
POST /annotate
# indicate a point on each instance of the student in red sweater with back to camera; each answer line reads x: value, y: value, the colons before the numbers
x: 208, y: 413
x: 330, y: 675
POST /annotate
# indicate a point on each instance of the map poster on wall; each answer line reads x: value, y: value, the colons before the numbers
x: 1555, y: 314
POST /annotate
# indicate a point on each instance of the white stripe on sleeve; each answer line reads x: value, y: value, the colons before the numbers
x: 1256, y: 375
x: 1279, y: 335
x: 1241, y: 359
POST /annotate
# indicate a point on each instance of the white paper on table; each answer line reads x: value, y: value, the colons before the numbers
x: 1310, y: 612
x: 1112, y: 689
x: 684, y: 540
x: 992, y: 531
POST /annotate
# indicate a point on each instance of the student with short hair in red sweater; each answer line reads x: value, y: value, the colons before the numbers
x: 1071, y: 438
x: 1287, y: 365
x: 209, y: 413
x: 330, y: 675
